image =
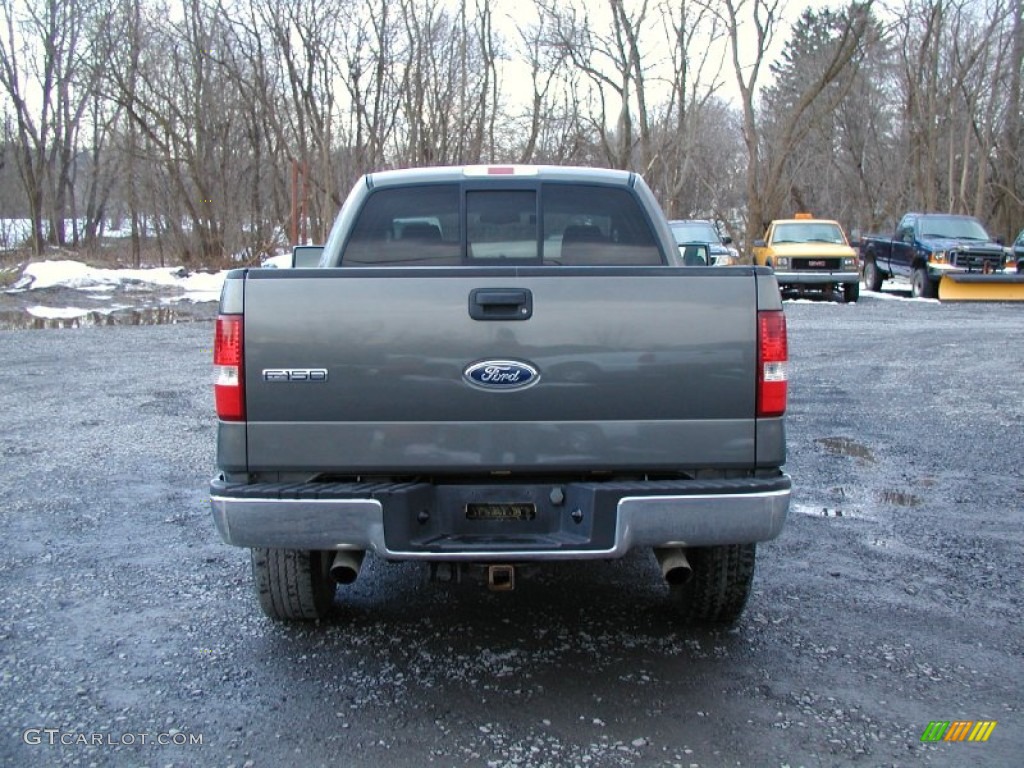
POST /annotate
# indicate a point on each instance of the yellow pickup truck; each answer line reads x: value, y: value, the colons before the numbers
x: 809, y: 253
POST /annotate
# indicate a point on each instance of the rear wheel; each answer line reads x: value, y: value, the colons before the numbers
x: 720, y: 584
x: 921, y: 286
x: 872, y: 277
x: 293, y: 584
x: 851, y: 292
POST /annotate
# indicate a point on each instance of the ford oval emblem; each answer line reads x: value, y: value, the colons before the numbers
x: 501, y: 375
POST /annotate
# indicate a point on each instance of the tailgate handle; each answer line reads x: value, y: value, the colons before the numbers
x: 500, y: 304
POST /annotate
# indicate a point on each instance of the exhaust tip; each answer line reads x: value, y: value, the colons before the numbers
x: 345, y: 566
x: 675, y: 568
x: 676, y: 577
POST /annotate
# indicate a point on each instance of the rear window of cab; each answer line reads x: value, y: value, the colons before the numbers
x: 551, y: 224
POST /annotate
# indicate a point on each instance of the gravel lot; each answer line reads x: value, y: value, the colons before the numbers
x: 129, y: 634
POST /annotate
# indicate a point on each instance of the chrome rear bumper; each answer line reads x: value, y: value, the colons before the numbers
x: 733, y: 514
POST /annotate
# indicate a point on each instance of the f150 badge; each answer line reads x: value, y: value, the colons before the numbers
x: 277, y: 375
x: 501, y: 375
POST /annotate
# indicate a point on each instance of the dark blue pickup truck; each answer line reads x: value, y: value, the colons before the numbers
x: 927, y: 247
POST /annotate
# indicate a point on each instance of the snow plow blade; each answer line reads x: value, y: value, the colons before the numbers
x: 974, y: 287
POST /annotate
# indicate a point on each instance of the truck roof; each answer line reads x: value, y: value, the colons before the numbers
x: 405, y: 176
x: 942, y: 216
x: 805, y: 221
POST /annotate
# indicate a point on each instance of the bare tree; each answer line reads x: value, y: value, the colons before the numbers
x: 370, y: 50
x: 766, y: 187
x: 976, y: 59
x: 253, y: 65
x: 46, y: 74
x: 1008, y: 174
x: 188, y: 116
x: 960, y: 87
x: 553, y: 121
x: 865, y: 146
x: 102, y: 164
x: 204, y: 106
x: 448, y: 84
x: 690, y: 147
x: 817, y: 165
x: 547, y: 70
x: 306, y: 43
x: 616, y: 68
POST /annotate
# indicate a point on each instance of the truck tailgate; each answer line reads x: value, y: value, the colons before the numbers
x: 360, y: 370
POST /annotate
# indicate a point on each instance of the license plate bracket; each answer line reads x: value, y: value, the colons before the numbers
x: 501, y: 511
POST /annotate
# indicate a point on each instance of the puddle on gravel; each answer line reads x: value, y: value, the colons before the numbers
x: 844, y: 446
x: 899, y: 498
x: 19, y: 320
x: 830, y: 511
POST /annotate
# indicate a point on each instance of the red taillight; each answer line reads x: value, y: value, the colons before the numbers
x: 772, y: 363
x: 229, y: 388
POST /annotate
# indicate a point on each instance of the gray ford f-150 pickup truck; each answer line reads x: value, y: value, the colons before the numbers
x: 493, y: 366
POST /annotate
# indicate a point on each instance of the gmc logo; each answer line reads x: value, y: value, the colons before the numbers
x: 276, y: 375
x: 817, y: 263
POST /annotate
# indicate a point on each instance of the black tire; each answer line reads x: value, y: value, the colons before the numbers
x: 872, y: 277
x: 720, y: 585
x: 851, y: 292
x: 921, y: 286
x: 293, y: 584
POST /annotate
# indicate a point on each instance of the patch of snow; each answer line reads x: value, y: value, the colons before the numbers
x: 197, y: 286
x: 57, y: 313
x: 196, y: 297
x: 203, y: 282
x: 68, y: 313
x: 885, y: 296
x: 281, y: 261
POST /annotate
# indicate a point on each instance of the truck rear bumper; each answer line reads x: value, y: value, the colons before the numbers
x: 419, y: 521
x: 816, y: 278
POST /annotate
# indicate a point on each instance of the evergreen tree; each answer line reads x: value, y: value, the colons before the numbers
x: 820, y: 78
